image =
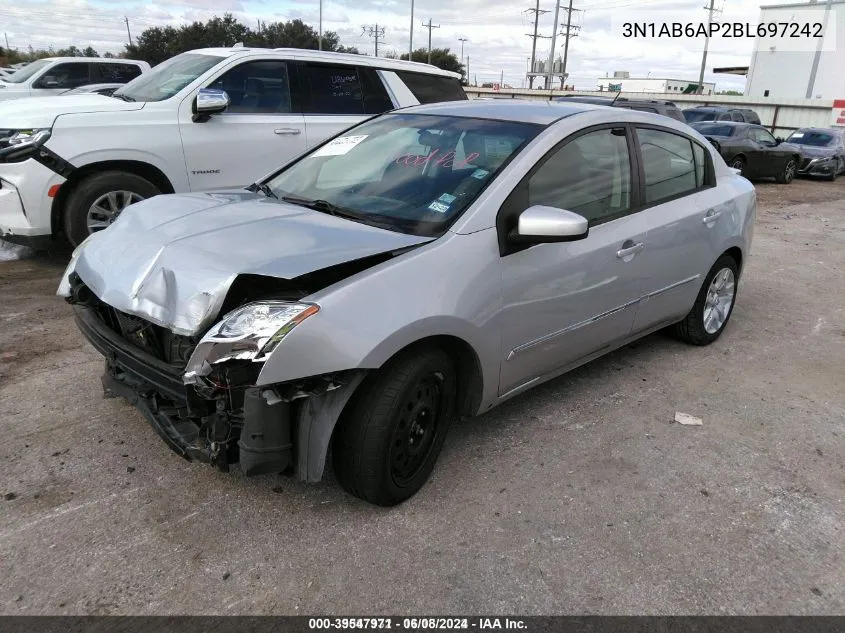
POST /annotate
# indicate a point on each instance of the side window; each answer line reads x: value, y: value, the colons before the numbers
x: 737, y: 116
x: 332, y: 89
x: 432, y: 88
x: 724, y: 117
x: 590, y: 175
x: 259, y: 87
x: 762, y: 136
x: 376, y: 99
x: 668, y: 164
x: 67, y: 75
x: 115, y: 73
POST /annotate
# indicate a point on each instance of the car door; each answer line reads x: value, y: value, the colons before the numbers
x: 563, y: 302
x: 60, y: 77
x: 261, y: 129
x: 772, y: 159
x: 337, y: 96
x: 682, y: 211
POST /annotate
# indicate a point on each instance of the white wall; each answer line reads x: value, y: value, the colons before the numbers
x: 786, y: 74
x: 652, y: 85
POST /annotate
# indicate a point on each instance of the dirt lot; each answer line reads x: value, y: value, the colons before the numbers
x: 578, y: 497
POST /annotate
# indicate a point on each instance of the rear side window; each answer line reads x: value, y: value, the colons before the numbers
x: 433, y: 88
x: 115, y: 73
x: 700, y: 164
x: 668, y: 163
x: 332, y: 89
x: 737, y: 116
x: 376, y: 99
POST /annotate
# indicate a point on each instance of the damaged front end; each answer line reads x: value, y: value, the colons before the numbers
x: 200, y: 393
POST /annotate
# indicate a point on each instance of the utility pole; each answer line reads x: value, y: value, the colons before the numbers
x: 374, y: 32
x: 320, y: 42
x: 127, y: 30
x: 502, y: 80
x: 706, y: 42
x: 467, y: 69
x: 411, y: 40
x: 569, y: 28
x: 536, y: 11
x: 7, y: 40
x: 462, y: 40
x: 552, y: 51
x: 430, y: 26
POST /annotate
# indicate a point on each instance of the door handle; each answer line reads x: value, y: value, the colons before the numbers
x: 630, y: 251
x: 287, y: 131
x: 711, y: 216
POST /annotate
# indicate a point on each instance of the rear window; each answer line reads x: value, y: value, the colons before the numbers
x: 692, y: 116
x: 433, y: 88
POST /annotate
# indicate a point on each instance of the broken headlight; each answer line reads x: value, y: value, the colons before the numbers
x: 250, y: 332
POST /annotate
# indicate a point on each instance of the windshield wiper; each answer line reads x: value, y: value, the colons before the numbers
x: 263, y: 188
x: 122, y: 97
x: 324, y: 206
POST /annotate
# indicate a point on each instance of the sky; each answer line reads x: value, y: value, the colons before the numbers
x: 496, y: 30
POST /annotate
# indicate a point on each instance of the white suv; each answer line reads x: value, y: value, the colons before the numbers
x: 55, y: 75
x: 207, y: 119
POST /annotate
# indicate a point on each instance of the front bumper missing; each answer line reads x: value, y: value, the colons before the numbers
x: 258, y: 437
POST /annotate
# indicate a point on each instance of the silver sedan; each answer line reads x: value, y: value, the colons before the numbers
x: 427, y: 264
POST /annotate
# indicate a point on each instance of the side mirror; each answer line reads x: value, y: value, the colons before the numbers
x: 207, y: 102
x: 49, y: 81
x: 540, y: 224
x: 779, y: 140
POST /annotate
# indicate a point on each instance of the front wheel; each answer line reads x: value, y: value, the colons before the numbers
x: 386, y: 445
x: 99, y: 199
x: 788, y: 173
x: 713, y: 306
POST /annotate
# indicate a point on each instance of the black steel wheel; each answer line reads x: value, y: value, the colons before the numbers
x: 389, y: 438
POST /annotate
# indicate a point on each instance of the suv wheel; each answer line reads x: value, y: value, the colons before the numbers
x: 99, y: 199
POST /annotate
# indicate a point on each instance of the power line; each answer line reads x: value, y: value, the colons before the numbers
x: 534, y: 37
x: 375, y: 33
x: 430, y: 26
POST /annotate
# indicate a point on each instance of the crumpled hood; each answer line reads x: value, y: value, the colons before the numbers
x: 41, y: 112
x: 172, y: 259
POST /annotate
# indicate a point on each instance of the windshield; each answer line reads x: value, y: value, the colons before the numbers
x: 27, y: 71
x: 813, y: 139
x: 404, y: 172
x: 699, y: 115
x: 715, y: 129
x: 168, y: 78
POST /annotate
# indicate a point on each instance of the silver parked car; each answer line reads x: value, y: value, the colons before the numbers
x: 428, y: 263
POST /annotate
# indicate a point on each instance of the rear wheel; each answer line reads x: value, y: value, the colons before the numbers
x: 788, y: 173
x: 738, y: 162
x: 713, y: 306
x: 98, y: 200
x: 386, y: 445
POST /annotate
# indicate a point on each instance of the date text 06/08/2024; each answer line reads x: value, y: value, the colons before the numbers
x: 723, y: 29
x: 416, y: 624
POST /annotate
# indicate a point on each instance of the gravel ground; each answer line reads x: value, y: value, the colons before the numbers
x: 578, y: 497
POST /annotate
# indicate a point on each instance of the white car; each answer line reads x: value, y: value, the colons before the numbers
x: 206, y: 119
x: 55, y: 75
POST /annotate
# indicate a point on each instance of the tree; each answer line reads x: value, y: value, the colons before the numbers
x: 440, y: 57
x: 157, y: 44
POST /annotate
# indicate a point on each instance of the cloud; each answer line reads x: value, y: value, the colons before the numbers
x: 496, y: 30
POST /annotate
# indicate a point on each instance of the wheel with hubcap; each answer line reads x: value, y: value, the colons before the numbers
x: 713, y: 306
x: 98, y: 200
x: 788, y: 173
x: 388, y: 440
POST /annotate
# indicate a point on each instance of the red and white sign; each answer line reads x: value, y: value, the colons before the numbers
x: 496, y: 87
x: 838, y: 117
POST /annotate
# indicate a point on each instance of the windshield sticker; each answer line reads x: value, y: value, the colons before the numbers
x: 439, y: 207
x: 339, y: 146
x: 446, y: 159
x: 798, y: 135
x: 447, y: 198
x: 480, y: 174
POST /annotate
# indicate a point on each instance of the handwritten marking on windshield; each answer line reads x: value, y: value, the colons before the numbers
x: 441, y: 160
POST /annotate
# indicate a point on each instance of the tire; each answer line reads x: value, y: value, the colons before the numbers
x: 693, y: 329
x: 738, y: 162
x: 788, y: 173
x: 92, y: 189
x: 373, y: 449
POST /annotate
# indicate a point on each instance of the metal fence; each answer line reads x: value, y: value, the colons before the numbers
x: 781, y: 117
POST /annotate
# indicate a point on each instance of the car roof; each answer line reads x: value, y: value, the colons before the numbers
x: 826, y: 130
x: 521, y: 110
x: 118, y: 60
x: 730, y: 123
x: 714, y: 108
x: 328, y: 56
